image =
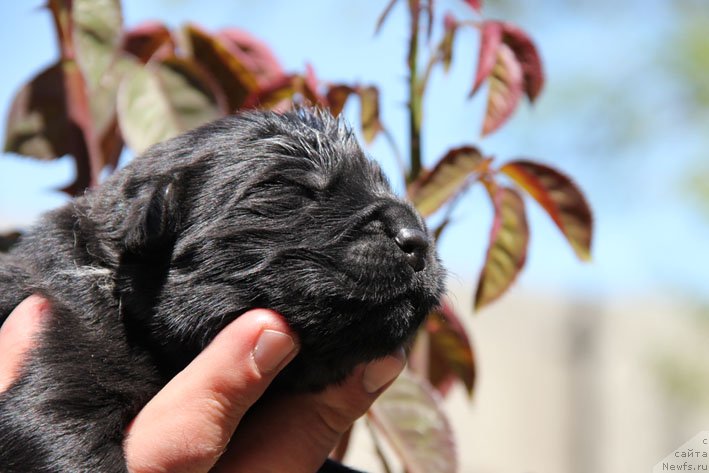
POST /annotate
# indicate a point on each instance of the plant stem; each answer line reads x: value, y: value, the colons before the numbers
x: 415, y: 95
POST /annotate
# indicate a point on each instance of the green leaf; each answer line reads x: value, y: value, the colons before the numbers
x: 451, y: 354
x: 409, y: 416
x: 97, y: 28
x: 507, y: 250
x: 162, y: 100
x: 434, y: 188
x: 506, y: 88
x: 561, y: 199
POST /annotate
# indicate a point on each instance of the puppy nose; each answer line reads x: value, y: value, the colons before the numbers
x: 414, y: 243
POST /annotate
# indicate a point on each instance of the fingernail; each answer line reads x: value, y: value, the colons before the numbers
x: 271, y: 349
x: 380, y: 372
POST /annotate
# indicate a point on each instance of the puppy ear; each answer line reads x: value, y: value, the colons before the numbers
x: 153, y: 217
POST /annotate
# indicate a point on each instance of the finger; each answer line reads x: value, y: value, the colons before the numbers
x: 18, y: 335
x: 188, y: 424
x: 296, y: 433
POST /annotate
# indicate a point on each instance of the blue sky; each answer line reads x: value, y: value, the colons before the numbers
x: 605, y: 117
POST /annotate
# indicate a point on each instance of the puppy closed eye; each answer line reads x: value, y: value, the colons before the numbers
x: 276, y: 200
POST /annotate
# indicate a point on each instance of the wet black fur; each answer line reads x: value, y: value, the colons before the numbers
x: 257, y: 210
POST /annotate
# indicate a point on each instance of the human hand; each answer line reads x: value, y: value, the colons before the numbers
x: 189, y: 425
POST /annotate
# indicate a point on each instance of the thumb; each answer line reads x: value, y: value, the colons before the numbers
x: 296, y: 432
x: 188, y: 424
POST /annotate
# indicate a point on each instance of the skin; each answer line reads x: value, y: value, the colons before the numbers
x: 196, y: 423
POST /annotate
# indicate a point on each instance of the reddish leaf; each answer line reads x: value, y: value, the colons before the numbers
x: 253, y: 53
x: 288, y: 89
x: 232, y: 76
x: 309, y: 86
x: 450, y: 350
x: 89, y: 36
x: 506, y: 82
x: 38, y: 123
x: 336, y: 97
x: 490, y: 41
x: 507, y: 250
x: 61, y: 14
x: 383, y: 16
x: 526, y: 53
x: 148, y: 39
x: 561, y: 199
x: 83, y: 178
x: 408, y: 414
x: 112, y: 143
x: 274, y: 95
x: 450, y: 26
x: 429, y: 7
x: 369, y: 100
x: 434, y: 188
x: 476, y: 5
x: 438, y: 231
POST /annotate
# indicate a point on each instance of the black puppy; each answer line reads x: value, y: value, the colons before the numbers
x: 281, y: 211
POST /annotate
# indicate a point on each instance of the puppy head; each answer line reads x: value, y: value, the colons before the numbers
x: 281, y: 211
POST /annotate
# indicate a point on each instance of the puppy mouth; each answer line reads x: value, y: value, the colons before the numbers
x: 379, y: 270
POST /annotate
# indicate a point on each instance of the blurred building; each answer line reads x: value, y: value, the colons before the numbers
x: 568, y: 386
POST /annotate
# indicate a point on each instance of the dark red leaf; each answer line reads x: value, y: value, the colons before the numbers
x: 148, y: 39
x: 112, y: 144
x: 526, y: 53
x: 38, y: 123
x: 255, y: 54
x: 507, y: 250
x: 217, y: 58
x: 476, y: 5
x: 309, y: 86
x: 561, y: 199
x: 490, y: 41
x: 383, y: 16
x: 409, y: 415
x: 337, y: 96
x: 433, y: 189
x: 451, y: 354
x: 274, y: 95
